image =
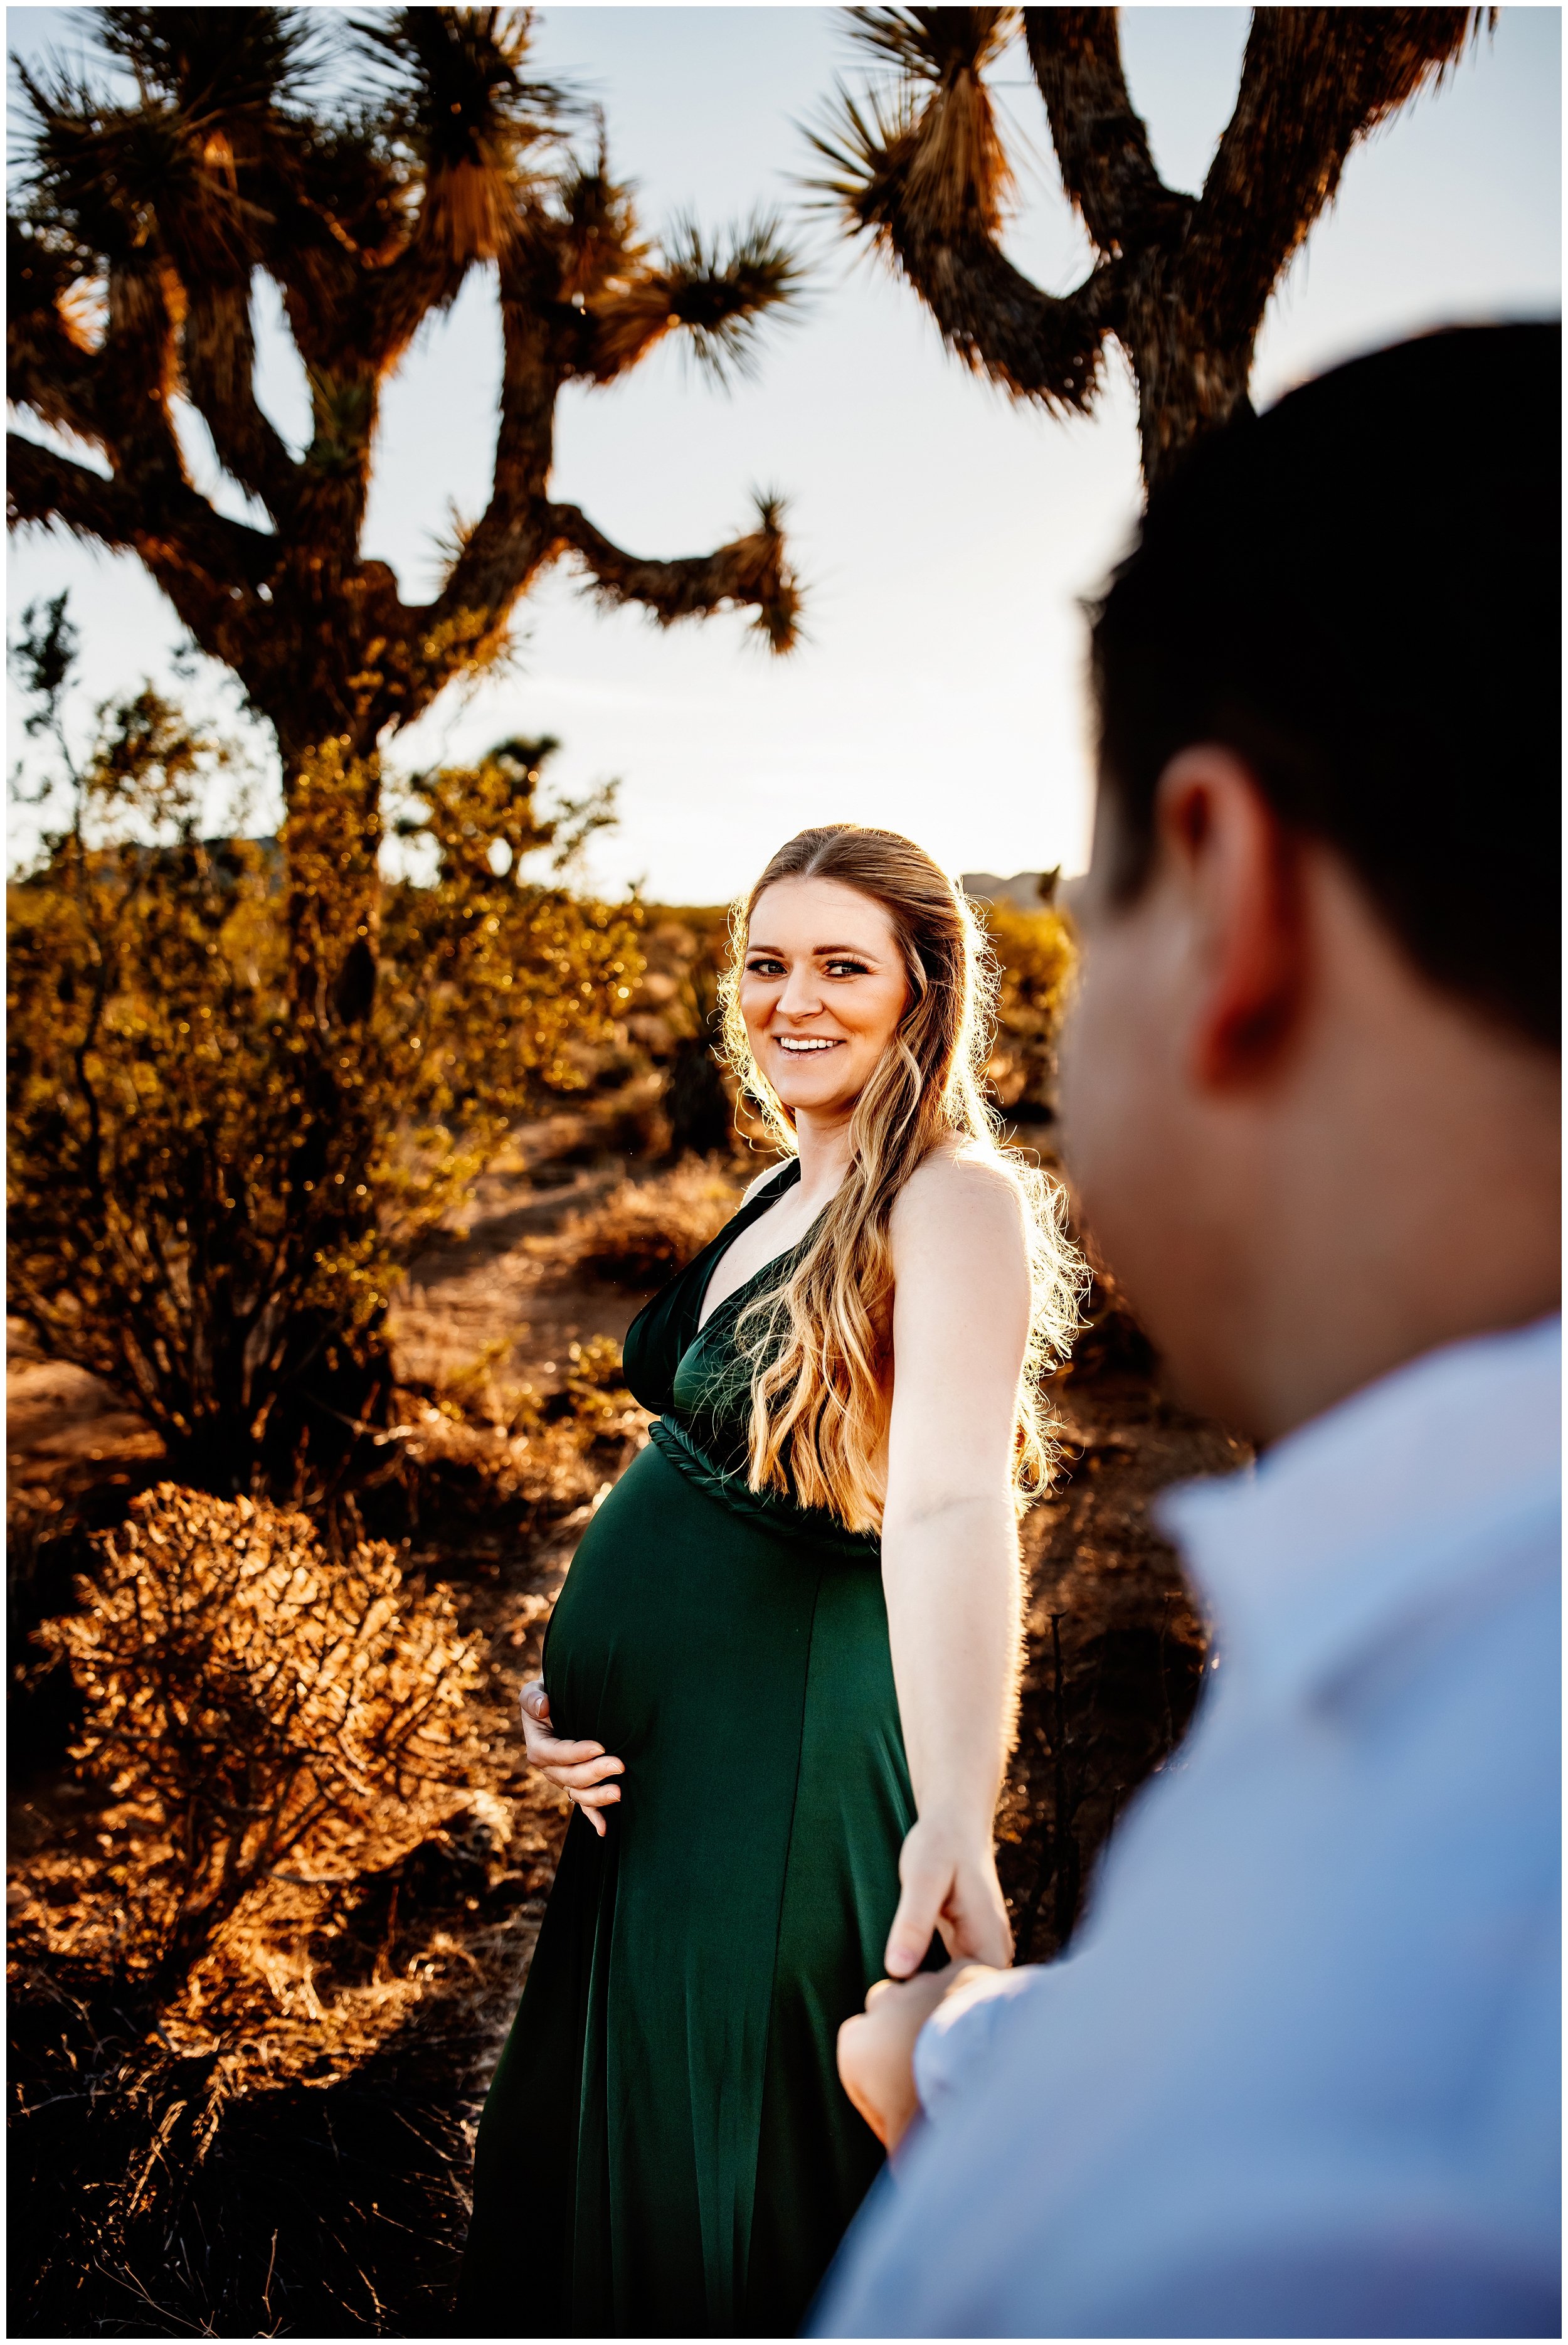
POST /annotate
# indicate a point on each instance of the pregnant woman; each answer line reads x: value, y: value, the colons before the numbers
x: 779, y: 1681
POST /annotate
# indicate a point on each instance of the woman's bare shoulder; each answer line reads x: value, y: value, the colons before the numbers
x: 961, y: 1182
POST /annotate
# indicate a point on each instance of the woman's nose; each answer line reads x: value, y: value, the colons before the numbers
x: 801, y: 995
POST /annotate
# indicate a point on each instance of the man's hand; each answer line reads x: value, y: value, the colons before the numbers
x: 580, y: 1768
x: 876, y: 2049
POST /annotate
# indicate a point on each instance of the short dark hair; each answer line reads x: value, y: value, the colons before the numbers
x: 1359, y: 593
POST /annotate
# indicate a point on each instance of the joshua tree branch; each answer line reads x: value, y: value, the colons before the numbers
x: 471, y: 109
x: 751, y: 572
x: 320, y: 276
x: 427, y: 275
x: 218, y: 351
x: 500, y: 553
x: 499, y: 556
x: 1032, y: 343
x: 48, y: 376
x: 1313, y: 82
x: 1036, y: 345
x: 49, y: 370
x: 1101, y: 143
x: 45, y: 487
x: 500, y: 560
x: 715, y: 297
x: 223, y: 556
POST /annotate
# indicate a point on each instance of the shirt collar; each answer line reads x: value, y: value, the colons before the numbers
x: 1377, y: 1509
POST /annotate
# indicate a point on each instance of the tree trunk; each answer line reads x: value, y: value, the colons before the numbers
x: 329, y: 1393
x: 1188, y: 379
x: 331, y: 844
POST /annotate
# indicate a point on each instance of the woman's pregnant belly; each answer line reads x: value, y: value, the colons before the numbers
x: 614, y: 1632
x: 744, y: 1678
x: 682, y: 1641
x: 683, y: 1635
x: 674, y: 1607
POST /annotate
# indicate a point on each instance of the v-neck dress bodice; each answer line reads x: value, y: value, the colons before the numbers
x: 693, y: 1372
x: 666, y: 2150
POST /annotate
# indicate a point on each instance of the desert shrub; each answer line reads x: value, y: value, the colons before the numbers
x: 596, y: 1382
x: 216, y: 1181
x: 261, y: 1714
x: 491, y: 1459
x: 1034, y: 950
x: 646, y: 1230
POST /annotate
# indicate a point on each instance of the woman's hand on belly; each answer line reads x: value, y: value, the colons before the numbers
x: 580, y: 1769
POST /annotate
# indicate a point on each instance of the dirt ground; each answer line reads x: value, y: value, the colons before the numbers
x: 506, y: 1275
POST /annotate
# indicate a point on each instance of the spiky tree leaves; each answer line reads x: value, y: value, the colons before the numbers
x: 149, y: 208
x: 1181, y: 282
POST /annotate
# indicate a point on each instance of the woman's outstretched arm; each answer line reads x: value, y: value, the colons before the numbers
x: 950, y: 1544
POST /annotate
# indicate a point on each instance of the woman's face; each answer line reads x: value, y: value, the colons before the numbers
x: 822, y: 991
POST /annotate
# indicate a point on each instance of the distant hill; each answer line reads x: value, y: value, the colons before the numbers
x: 1025, y: 891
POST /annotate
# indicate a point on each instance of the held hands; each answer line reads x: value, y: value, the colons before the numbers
x: 876, y: 2047
x: 949, y: 1876
x: 580, y: 1768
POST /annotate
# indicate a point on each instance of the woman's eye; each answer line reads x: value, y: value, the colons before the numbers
x: 765, y: 969
x: 846, y: 968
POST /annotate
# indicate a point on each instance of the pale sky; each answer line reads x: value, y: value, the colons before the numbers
x: 945, y: 535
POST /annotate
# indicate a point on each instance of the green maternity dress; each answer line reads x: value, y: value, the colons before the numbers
x: 666, y: 2150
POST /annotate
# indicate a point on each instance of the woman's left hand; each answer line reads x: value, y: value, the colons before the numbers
x: 949, y: 1872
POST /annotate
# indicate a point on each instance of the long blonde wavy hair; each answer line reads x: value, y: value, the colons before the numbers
x: 819, y: 1343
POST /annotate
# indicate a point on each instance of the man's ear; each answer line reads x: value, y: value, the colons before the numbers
x: 1237, y: 866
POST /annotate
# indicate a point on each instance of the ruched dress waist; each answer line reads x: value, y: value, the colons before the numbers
x: 814, y: 1526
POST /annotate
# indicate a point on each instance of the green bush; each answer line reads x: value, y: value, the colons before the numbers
x: 214, y: 1188
x: 1035, y: 953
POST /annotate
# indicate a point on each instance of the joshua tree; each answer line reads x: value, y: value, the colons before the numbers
x: 150, y: 202
x: 365, y: 166
x: 1181, y: 280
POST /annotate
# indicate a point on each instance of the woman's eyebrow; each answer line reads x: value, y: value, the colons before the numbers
x: 861, y: 952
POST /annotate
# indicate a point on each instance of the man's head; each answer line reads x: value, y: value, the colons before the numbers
x: 1322, y: 925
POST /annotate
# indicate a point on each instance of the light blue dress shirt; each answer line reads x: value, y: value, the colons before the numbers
x: 1301, y: 2074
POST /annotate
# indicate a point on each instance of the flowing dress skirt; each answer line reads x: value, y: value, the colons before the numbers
x: 666, y: 2150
